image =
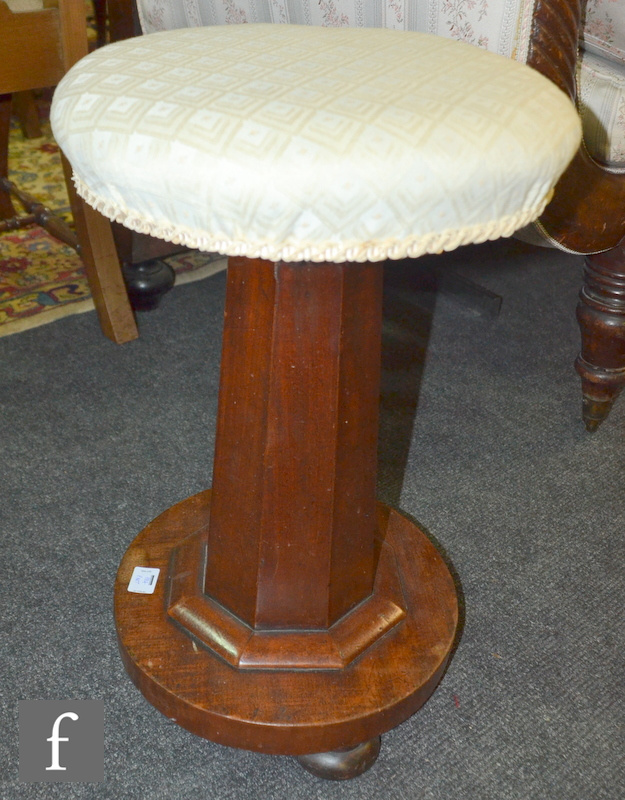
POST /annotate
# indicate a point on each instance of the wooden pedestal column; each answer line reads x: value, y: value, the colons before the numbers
x: 293, y: 614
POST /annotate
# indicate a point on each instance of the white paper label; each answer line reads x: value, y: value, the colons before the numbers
x: 144, y: 580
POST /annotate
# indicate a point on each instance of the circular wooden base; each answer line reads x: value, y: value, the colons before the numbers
x: 288, y: 712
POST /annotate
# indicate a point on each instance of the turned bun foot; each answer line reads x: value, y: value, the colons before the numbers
x: 341, y: 765
x: 147, y: 282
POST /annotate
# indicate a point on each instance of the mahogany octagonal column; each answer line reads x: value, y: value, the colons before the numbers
x: 298, y: 428
x: 292, y: 613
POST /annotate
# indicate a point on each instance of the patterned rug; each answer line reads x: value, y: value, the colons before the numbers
x: 41, y: 279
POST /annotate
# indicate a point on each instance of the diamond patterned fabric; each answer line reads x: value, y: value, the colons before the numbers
x: 502, y: 27
x: 303, y: 143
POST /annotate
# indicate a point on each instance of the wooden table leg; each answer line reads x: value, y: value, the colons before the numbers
x: 292, y: 614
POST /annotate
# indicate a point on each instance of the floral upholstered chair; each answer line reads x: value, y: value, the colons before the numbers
x: 581, y: 47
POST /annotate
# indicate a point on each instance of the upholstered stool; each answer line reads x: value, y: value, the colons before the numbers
x: 287, y: 612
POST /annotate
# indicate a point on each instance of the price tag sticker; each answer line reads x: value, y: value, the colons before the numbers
x: 144, y: 580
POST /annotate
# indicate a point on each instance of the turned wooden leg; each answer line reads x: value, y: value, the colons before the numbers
x: 601, y: 316
x: 147, y: 282
x: 25, y: 109
x: 36, y: 212
x: 122, y: 19
x: 99, y: 9
x: 291, y: 613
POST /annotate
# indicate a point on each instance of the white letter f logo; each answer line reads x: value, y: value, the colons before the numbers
x: 55, y: 739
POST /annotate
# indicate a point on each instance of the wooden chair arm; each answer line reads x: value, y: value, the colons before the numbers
x: 587, y: 214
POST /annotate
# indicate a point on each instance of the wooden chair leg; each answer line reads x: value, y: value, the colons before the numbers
x: 601, y: 316
x: 25, y: 109
x: 122, y: 19
x: 97, y: 250
x: 99, y: 8
x: 7, y: 209
x: 97, y: 247
x: 36, y: 214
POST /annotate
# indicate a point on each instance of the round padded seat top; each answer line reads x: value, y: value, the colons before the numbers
x: 296, y: 143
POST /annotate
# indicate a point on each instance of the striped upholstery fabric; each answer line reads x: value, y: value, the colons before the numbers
x: 601, y: 79
x: 501, y: 27
x: 602, y: 107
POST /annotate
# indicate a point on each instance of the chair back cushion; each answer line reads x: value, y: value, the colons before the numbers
x: 601, y: 104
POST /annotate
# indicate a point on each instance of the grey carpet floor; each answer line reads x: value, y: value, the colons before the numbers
x: 481, y: 443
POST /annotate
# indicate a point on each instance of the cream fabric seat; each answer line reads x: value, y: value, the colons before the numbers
x: 501, y: 27
x: 303, y: 143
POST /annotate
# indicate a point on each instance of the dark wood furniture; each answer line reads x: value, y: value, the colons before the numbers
x: 122, y: 19
x: 100, y: 14
x: 24, y: 107
x: 312, y: 589
x: 291, y: 612
x: 587, y: 215
x: 601, y: 316
x: 38, y: 48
